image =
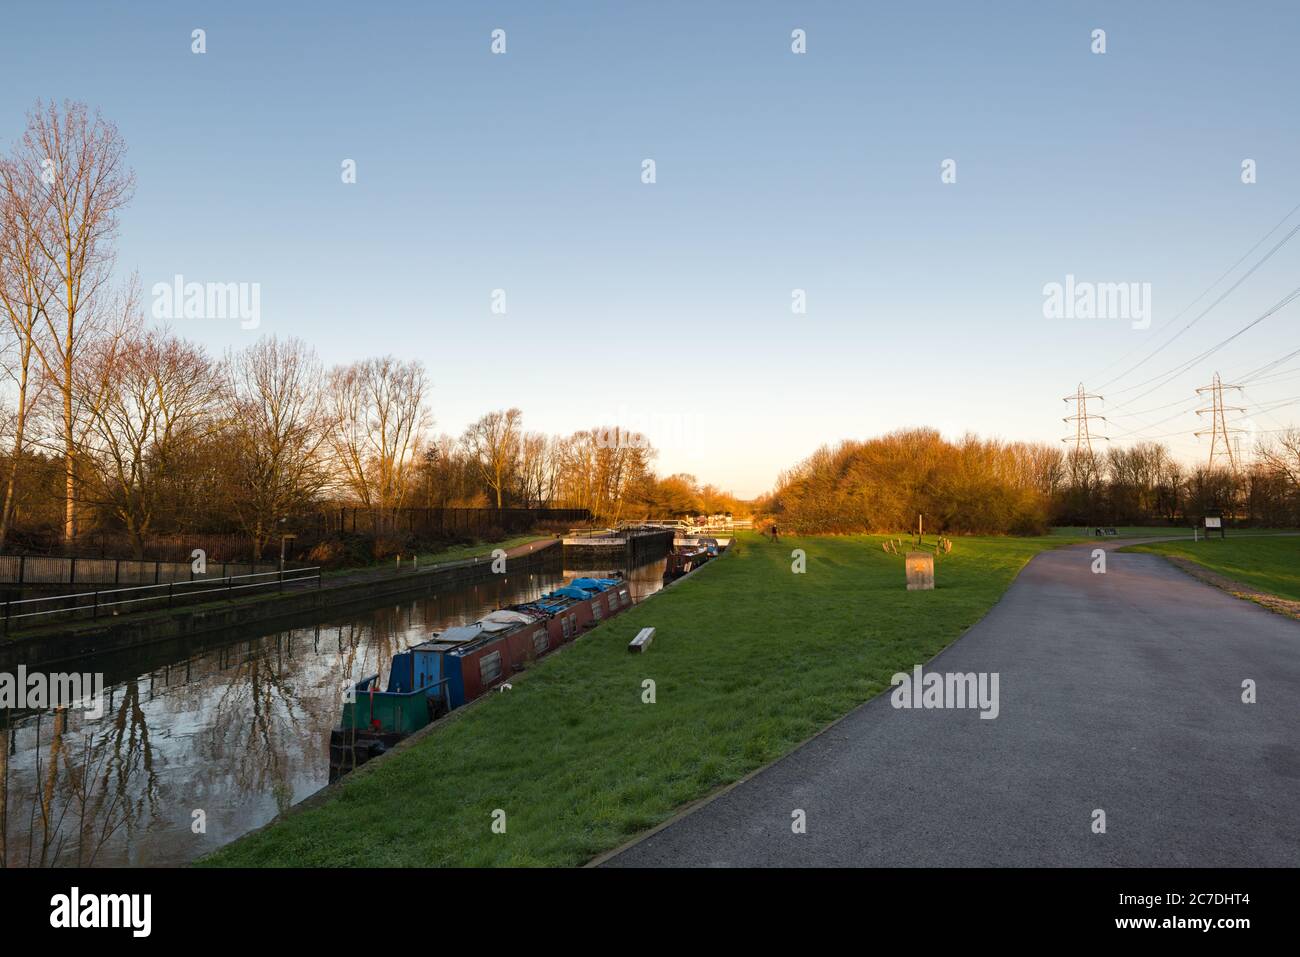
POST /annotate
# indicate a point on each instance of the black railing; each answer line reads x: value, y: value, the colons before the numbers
x: 36, y: 611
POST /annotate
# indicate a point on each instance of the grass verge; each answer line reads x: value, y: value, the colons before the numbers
x: 749, y: 660
x: 1269, y: 563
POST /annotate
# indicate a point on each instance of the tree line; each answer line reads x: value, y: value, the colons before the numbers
x: 110, y: 423
x: 990, y: 486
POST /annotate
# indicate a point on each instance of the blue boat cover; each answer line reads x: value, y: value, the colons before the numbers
x: 594, y: 584
x: 569, y: 591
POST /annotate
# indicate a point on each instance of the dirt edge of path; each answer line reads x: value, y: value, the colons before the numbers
x: 1274, y: 603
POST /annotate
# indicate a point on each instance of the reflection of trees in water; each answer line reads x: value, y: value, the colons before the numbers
x: 275, y: 701
x: 81, y: 788
x: 257, y: 718
x: 261, y: 706
x: 129, y: 757
x: 4, y: 790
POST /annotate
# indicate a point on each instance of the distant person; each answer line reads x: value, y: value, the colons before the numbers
x: 775, y: 537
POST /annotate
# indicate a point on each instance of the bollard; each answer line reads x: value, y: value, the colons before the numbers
x: 920, y: 571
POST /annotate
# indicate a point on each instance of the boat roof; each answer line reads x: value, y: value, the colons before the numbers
x: 505, y: 619
x: 460, y: 633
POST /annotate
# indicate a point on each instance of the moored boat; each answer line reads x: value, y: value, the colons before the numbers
x: 462, y: 663
x: 688, y: 555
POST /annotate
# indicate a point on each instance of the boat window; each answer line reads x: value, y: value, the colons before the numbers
x: 564, y: 623
x: 489, y: 667
x: 596, y: 609
x: 539, y: 640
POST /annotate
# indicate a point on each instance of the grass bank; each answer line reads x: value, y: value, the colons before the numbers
x: 749, y: 660
x: 1269, y: 563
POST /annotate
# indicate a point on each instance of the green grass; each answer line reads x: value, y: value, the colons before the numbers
x: 749, y: 660
x: 1270, y: 563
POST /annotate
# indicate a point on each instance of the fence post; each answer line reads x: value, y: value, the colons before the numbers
x: 117, y: 571
x: 157, y: 572
x: 170, y: 585
x: 72, y: 572
x: 6, y: 616
x: 282, y: 579
x: 94, y: 611
x: 22, y: 566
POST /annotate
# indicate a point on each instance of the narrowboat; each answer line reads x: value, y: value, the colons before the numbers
x: 457, y: 665
x: 688, y: 555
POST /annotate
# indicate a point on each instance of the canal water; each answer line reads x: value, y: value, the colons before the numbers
x: 225, y: 737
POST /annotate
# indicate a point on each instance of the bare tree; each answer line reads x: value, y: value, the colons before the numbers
x: 598, y: 469
x: 24, y: 280
x: 1282, y: 456
x: 493, y: 443
x: 378, y: 420
x: 78, y: 161
x: 537, y: 470
x: 157, y: 400
x: 276, y: 433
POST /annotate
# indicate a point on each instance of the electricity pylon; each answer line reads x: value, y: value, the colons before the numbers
x: 1081, y: 419
x: 1221, y: 437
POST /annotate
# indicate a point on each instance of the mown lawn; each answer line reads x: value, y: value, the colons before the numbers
x: 1270, y: 563
x: 749, y: 659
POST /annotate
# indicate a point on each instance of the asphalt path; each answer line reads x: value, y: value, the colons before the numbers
x: 1119, y: 692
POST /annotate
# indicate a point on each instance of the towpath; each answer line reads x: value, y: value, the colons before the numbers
x: 1119, y: 692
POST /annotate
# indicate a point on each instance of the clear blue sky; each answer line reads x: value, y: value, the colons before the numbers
x: 668, y: 306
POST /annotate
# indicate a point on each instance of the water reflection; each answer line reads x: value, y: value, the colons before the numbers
x: 192, y: 753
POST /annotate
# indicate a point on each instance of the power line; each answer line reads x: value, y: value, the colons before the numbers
x: 1227, y: 292
x: 1206, y: 291
x: 1170, y: 374
x: 1186, y: 407
x: 1261, y: 370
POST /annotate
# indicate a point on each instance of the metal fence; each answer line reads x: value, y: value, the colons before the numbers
x: 164, y: 547
x: 235, y: 550
x: 51, y: 570
x: 113, y: 601
x: 448, y: 522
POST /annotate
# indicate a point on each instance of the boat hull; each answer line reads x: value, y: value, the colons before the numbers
x: 435, y: 677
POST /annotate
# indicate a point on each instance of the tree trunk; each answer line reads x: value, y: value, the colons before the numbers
x: 69, y: 464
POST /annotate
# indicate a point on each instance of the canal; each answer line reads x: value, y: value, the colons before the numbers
x: 194, y: 749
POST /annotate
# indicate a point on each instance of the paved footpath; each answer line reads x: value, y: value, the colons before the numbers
x: 1119, y: 691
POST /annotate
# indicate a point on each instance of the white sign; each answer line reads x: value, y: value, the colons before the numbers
x: 1213, y: 522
